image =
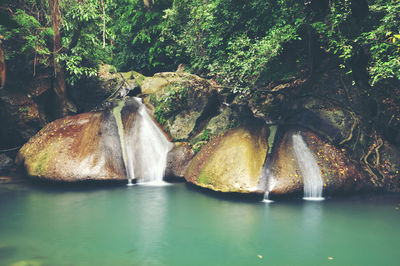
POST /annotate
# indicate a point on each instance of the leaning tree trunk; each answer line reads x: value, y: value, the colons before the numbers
x: 2, y: 66
x: 60, y: 87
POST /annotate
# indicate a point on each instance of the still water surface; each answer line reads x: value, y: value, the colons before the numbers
x: 177, y: 225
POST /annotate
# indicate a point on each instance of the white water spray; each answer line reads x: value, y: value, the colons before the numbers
x: 309, y: 168
x: 144, y: 147
x: 151, y: 148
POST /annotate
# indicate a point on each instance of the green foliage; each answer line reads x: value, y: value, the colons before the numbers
x: 197, y: 146
x: 82, y: 32
x: 31, y: 43
x: 24, y: 109
x: 29, y: 39
x: 236, y: 42
x: 248, y: 58
x: 205, y: 135
x: 172, y: 102
x: 378, y: 33
x: 138, y: 44
x: 233, y: 41
x: 201, y: 140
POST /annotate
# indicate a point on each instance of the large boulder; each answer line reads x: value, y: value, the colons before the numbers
x: 117, y: 143
x: 181, y: 102
x: 75, y: 148
x: 231, y: 162
x: 339, y: 174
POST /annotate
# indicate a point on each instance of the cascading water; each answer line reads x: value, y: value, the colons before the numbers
x: 126, y: 157
x: 268, y: 178
x: 144, y: 146
x: 309, y: 169
x: 151, y: 147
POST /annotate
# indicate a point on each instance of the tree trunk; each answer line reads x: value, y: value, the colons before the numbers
x: 2, y: 66
x: 104, y: 24
x: 60, y: 86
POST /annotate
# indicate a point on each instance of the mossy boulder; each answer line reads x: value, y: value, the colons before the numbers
x: 338, y: 172
x: 181, y: 102
x: 74, y: 148
x: 231, y: 162
x: 81, y: 147
x: 230, y: 116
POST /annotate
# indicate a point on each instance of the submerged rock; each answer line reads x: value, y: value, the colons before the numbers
x: 5, y: 163
x: 338, y: 173
x: 28, y: 263
x: 231, y: 162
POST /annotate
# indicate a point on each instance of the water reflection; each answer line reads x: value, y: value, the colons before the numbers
x: 171, y: 225
x: 311, y: 219
x: 148, y: 216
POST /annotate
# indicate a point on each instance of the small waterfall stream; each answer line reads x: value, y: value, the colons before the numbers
x: 144, y: 146
x: 309, y: 168
x: 268, y: 178
x: 126, y: 157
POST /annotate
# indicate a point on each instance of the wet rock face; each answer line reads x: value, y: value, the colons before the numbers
x: 178, y: 160
x: 181, y: 102
x: 113, y: 144
x: 332, y: 123
x: 81, y: 147
x: 20, y: 119
x: 338, y: 173
x: 74, y: 148
x: 231, y: 162
x: 389, y: 167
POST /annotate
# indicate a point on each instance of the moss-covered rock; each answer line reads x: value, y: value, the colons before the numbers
x: 230, y: 117
x: 81, y: 147
x: 181, y: 102
x: 338, y: 173
x: 231, y: 162
x: 74, y: 148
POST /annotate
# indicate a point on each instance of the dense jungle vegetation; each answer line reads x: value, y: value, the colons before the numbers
x: 243, y: 45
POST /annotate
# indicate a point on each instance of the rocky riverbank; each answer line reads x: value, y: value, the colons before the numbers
x: 221, y: 141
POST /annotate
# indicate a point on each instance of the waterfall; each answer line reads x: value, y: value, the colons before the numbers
x: 144, y: 146
x: 268, y: 180
x: 309, y: 169
x: 126, y: 156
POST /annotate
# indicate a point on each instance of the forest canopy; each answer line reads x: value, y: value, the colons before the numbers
x: 239, y: 43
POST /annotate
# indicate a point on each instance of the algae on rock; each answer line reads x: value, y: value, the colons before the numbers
x: 231, y: 162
